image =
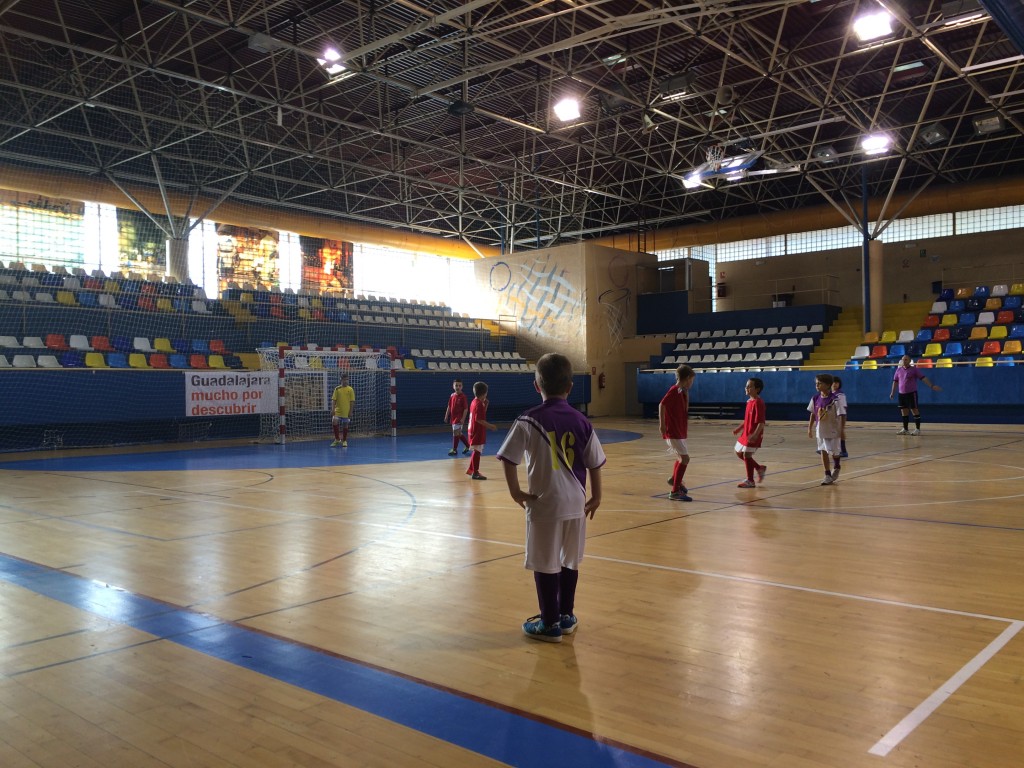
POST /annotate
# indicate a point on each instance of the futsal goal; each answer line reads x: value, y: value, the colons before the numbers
x: 307, y: 377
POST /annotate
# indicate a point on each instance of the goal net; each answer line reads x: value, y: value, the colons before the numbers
x: 307, y: 377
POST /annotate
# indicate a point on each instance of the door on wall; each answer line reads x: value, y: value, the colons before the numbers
x: 632, y: 406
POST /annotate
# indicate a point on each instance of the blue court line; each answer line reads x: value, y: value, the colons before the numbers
x: 299, y: 454
x: 508, y: 737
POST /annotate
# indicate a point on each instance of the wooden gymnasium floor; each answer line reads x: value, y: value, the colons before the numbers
x: 363, y: 608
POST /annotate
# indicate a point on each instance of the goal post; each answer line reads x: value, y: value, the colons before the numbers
x: 306, y: 378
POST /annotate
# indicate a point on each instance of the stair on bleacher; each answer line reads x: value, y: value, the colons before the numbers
x: 847, y: 332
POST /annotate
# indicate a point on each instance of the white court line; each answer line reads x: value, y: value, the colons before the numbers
x: 924, y: 710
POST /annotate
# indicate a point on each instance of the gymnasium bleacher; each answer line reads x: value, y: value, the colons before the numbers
x: 981, y: 326
x: 73, y: 319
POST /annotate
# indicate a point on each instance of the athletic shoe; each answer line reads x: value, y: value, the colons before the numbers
x: 681, y: 487
x: 762, y: 472
x: 828, y: 480
x: 453, y: 452
x: 835, y: 474
x: 844, y: 455
x: 536, y: 628
x: 680, y: 496
x: 336, y: 443
x: 568, y: 624
x: 903, y: 432
x: 344, y: 443
x: 915, y: 432
x: 747, y: 484
x: 478, y: 476
x: 466, y: 451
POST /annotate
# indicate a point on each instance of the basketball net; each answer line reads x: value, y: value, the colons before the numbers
x: 614, y: 304
x: 715, y: 155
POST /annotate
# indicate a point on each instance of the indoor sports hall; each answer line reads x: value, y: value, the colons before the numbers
x: 267, y: 605
x: 267, y: 267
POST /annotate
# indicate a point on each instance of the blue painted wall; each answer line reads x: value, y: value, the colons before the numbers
x: 969, y: 395
x: 102, y: 407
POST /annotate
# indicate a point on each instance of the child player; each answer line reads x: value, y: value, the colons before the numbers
x: 837, y: 387
x: 456, y: 414
x: 751, y: 432
x: 823, y: 425
x: 673, y: 416
x: 344, y: 401
x: 478, y: 426
x: 560, y: 448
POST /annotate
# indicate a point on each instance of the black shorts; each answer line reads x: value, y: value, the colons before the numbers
x: 908, y: 400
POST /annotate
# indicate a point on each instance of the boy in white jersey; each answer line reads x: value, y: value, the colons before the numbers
x: 560, y: 448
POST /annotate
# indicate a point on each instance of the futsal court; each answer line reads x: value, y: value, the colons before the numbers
x: 260, y: 605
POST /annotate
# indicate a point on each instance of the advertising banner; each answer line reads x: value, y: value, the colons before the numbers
x: 230, y: 393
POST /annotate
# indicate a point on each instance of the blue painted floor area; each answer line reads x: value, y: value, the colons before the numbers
x: 508, y: 737
x: 307, y: 453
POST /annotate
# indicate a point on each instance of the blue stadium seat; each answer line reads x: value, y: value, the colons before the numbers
x: 233, y: 361
x: 953, y: 349
x: 1016, y: 331
x: 117, y: 360
x: 1005, y: 360
x: 946, y: 295
x: 897, y: 350
x: 178, y: 361
x: 924, y: 335
x: 957, y: 306
x: 181, y: 345
x: 982, y: 292
x: 87, y: 298
x: 122, y: 344
x: 72, y: 359
x: 967, y: 318
x: 1013, y: 302
x: 972, y: 348
x: 851, y: 365
x: 915, y: 349
x: 200, y: 346
x: 960, y: 332
x: 975, y: 304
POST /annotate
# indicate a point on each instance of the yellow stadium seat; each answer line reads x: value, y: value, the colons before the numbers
x: 979, y: 333
x: 409, y: 364
x: 67, y: 298
x: 317, y: 363
x: 1017, y: 289
x: 869, y: 365
x: 932, y: 350
x: 963, y: 293
x: 1012, y: 347
x: 997, y: 332
x: 217, y: 361
x: 95, y: 360
x: 164, y: 305
x: 871, y: 337
x: 994, y: 304
x: 888, y: 337
x: 944, y: 362
x: 137, y: 360
x: 246, y: 298
x: 250, y: 360
x: 111, y: 286
x: 984, y: 362
x: 163, y: 345
x: 948, y: 321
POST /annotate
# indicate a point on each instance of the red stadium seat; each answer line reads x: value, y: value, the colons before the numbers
x: 159, y: 360
x: 198, y: 361
x: 941, y: 334
x: 57, y: 342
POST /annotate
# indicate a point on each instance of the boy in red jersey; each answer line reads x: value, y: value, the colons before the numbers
x: 751, y: 432
x: 478, y: 426
x: 673, y: 417
x: 456, y: 414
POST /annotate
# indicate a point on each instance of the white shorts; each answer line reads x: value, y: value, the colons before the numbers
x: 741, y: 448
x: 830, y: 445
x: 676, y: 446
x: 342, y: 420
x: 457, y: 428
x: 552, y: 545
x: 477, y: 448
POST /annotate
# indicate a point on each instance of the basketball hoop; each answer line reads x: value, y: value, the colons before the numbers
x: 715, y: 155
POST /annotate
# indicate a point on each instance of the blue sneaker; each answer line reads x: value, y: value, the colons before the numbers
x: 681, y: 496
x: 536, y: 628
x: 568, y: 624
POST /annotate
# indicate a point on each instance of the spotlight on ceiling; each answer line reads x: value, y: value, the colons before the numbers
x: 649, y: 126
x: 675, y: 87
x: 567, y: 109
x: 330, y: 62
x: 458, y: 108
x: 875, y: 144
x: 991, y: 122
x: 825, y: 154
x: 933, y: 134
x: 872, y: 27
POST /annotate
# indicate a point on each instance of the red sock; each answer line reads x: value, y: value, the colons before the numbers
x: 474, y: 464
x: 465, y: 441
x: 337, y: 432
x: 455, y: 441
x: 751, y: 466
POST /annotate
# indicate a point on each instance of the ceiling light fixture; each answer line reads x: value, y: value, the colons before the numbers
x: 825, y: 154
x: 985, y: 124
x: 875, y: 144
x: 331, y: 64
x: 936, y: 133
x: 873, y: 26
x: 567, y: 108
x: 675, y: 87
